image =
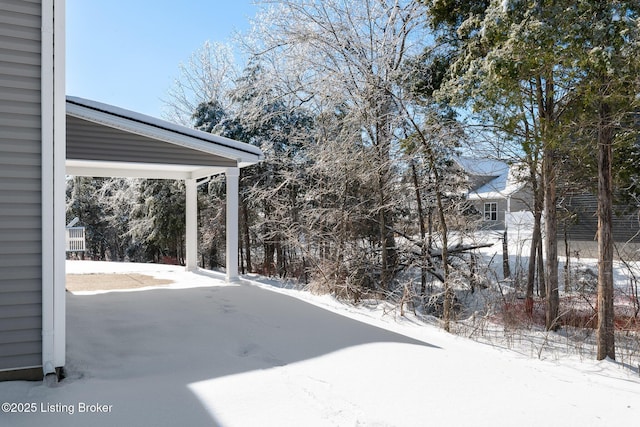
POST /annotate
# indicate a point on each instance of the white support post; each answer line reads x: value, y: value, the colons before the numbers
x: 53, y: 186
x: 59, y: 184
x: 232, y: 176
x: 191, y: 214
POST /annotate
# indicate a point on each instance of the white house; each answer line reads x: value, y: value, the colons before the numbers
x: 496, y: 189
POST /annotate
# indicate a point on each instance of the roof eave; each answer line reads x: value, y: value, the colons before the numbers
x: 242, y: 153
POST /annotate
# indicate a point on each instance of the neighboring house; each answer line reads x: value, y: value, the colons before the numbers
x: 498, y: 190
x: 43, y: 137
x: 495, y: 190
x: 579, y: 219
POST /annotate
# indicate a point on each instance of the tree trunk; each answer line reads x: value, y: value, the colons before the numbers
x: 423, y: 248
x: 385, y: 224
x: 551, y: 240
x: 385, y: 273
x: 535, y: 241
x: 381, y: 104
x: 542, y: 287
x: 246, y: 236
x: 531, y: 268
x: 567, y: 260
x: 448, y: 291
x: 242, y: 265
x: 269, y: 258
x: 545, y: 90
x: 429, y: 237
x: 281, y: 258
x: 605, y: 327
x: 506, y: 268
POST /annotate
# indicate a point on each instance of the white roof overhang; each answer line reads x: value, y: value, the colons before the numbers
x: 107, y: 141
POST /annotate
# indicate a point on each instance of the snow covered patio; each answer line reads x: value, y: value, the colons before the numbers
x: 200, y: 352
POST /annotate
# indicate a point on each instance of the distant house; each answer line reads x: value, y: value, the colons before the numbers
x: 579, y: 222
x: 499, y: 191
x: 495, y: 189
x: 43, y: 137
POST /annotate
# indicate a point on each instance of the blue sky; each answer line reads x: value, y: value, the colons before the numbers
x: 127, y: 52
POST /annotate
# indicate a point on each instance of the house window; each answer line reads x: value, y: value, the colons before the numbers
x: 491, y: 211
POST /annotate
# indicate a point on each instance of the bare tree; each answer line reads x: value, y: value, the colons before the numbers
x: 350, y: 51
x: 207, y: 77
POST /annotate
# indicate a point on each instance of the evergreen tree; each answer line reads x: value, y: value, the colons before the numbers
x: 512, y: 65
x: 607, y: 56
x: 82, y: 202
x: 158, y: 219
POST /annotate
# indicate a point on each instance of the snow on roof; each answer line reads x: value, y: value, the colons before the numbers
x: 483, y: 167
x: 163, y: 125
x: 504, y: 180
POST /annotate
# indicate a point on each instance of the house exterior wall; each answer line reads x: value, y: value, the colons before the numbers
x: 501, y: 205
x: 583, y: 224
x: 520, y: 201
x: 20, y: 185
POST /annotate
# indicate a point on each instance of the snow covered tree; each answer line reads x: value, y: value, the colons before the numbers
x: 208, y: 115
x: 158, y: 219
x: 528, y: 69
x: 606, y: 109
x: 512, y: 64
x: 205, y: 78
x: 83, y: 203
x: 258, y: 114
x: 212, y: 222
x: 117, y: 197
x: 350, y: 52
x: 433, y: 143
x: 104, y: 207
x: 282, y: 128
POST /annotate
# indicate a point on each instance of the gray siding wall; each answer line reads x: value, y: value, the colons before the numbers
x: 502, y: 208
x: 520, y: 201
x: 584, y: 224
x: 20, y: 185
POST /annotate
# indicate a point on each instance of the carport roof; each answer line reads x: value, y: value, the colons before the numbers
x: 104, y: 140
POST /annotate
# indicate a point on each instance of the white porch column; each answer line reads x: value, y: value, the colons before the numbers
x: 232, y: 176
x: 53, y: 136
x: 191, y: 233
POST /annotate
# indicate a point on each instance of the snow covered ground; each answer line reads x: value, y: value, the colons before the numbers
x: 200, y: 352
